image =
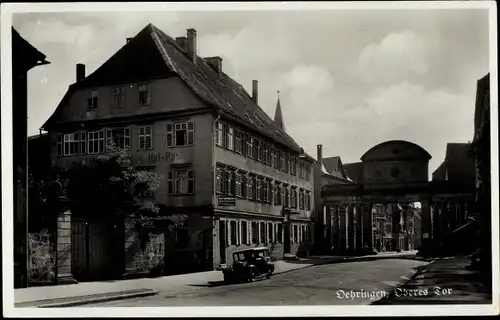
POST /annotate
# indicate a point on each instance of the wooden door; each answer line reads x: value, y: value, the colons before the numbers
x: 79, y: 249
x: 222, y: 241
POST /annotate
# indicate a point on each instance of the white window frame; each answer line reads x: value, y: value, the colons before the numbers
x: 230, y: 138
x: 98, y: 136
x: 219, y: 134
x: 180, y: 182
x: 173, y: 128
x: 143, y: 136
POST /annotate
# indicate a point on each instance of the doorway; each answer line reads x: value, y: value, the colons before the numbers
x: 222, y: 240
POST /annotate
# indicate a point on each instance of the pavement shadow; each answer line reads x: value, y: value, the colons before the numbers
x: 211, y: 284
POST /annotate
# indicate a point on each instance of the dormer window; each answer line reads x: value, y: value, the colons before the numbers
x: 144, y: 94
x: 92, y: 100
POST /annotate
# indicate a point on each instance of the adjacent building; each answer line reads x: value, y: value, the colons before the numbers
x: 236, y: 174
x: 24, y: 58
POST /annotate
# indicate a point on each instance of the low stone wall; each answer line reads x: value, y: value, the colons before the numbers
x: 42, y: 257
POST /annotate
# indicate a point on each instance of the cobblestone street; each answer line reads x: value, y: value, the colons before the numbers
x: 318, y: 285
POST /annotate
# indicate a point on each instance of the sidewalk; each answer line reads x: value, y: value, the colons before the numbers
x: 443, y: 281
x: 33, y: 296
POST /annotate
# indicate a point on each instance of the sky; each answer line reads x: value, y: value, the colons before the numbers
x: 348, y: 79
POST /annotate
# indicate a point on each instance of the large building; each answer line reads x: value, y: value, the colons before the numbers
x: 240, y: 179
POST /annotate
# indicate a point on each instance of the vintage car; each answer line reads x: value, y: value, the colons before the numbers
x: 248, y: 265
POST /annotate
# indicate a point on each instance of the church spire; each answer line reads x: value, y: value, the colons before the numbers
x: 278, y: 115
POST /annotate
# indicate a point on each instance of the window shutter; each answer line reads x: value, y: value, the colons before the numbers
x: 238, y: 233
x: 149, y: 137
x: 126, y: 138
x: 228, y: 232
x: 141, y: 138
x: 170, y: 182
x: 190, y: 132
x: 170, y: 135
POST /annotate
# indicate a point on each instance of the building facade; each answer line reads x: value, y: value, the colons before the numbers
x: 236, y: 175
x: 24, y: 58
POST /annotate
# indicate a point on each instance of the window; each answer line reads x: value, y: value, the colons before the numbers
x: 95, y: 142
x: 183, y: 182
x: 301, y: 169
x: 71, y: 144
x: 270, y: 233
x: 237, y: 184
x: 249, y: 188
x: 293, y: 168
x: 308, y: 200
x: 265, y: 192
x: 243, y: 185
x: 144, y: 94
x: 237, y: 142
x: 280, y: 233
x: 278, y: 195
x: 118, y: 97
x: 303, y: 234
x: 244, y: 232
x: 274, y: 156
x: 219, y: 134
x: 92, y: 100
x: 230, y: 177
x: 83, y: 143
x: 270, y: 192
x: 307, y: 169
x: 230, y: 138
x: 250, y: 143
x: 219, y: 180
x: 264, y: 153
x: 258, y: 150
x: 180, y: 134
x: 282, y: 160
x: 269, y: 155
x: 259, y: 189
x: 255, y: 232
x: 294, y: 197
x: 263, y: 233
x: 145, y: 137
x: 286, y: 197
x: 119, y: 137
x: 254, y: 188
x: 232, y: 227
x: 295, y: 233
x: 287, y: 162
x: 301, y: 199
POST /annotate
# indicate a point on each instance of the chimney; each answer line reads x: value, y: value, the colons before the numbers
x: 181, y: 42
x: 215, y: 63
x: 80, y: 72
x: 129, y: 39
x: 191, y: 44
x: 320, y: 154
x: 255, y: 91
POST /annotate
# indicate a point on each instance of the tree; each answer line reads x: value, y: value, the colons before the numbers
x: 111, y: 186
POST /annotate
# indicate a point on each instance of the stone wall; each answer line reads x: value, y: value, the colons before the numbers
x: 42, y: 257
x: 64, y: 275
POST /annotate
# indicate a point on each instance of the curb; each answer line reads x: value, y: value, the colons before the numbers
x: 88, y: 299
x: 390, y: 296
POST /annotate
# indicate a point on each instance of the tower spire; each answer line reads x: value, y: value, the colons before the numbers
x: 278, y: 115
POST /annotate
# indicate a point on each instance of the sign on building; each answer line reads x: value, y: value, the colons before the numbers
x: 226, y: 201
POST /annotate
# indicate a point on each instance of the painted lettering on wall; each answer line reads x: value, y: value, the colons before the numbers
x: 154, y: 157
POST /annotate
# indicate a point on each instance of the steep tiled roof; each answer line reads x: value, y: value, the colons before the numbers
x: 354, y: 171
x: 25, y: 52
x: 440, y: 173
x: 335, y: 167
x: 216, y: 89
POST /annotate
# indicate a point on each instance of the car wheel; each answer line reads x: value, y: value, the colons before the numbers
x: 252, y: 276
